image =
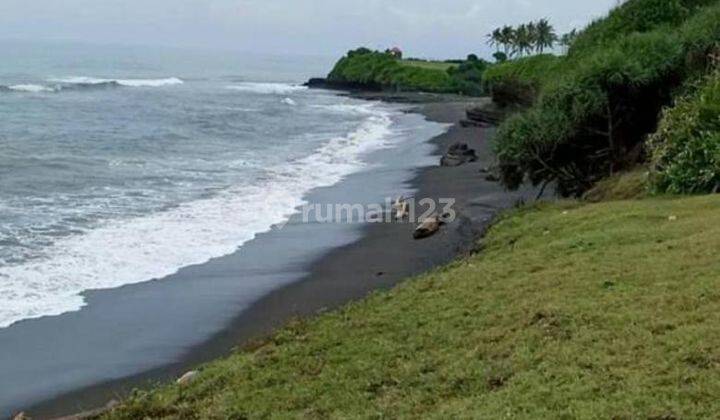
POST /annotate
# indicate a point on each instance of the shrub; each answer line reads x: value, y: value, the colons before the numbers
x: 518, y: 81
x: 593, y: 113
x: 500, y: 57
x: 686, y: 148
x: 467, y: 77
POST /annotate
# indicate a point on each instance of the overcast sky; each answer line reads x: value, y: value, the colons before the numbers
x: 429, y: 28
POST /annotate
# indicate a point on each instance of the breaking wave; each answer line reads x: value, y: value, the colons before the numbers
x: 156, y: 245
x: 80, y: 83
x: 267, y: 88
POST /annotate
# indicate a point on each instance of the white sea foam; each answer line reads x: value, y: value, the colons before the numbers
x: 267, y: 88
x: 362, y: 109
x: 289, y: 101
x: 141, y: 249
x: 169, y: 81
x: 31, y: 88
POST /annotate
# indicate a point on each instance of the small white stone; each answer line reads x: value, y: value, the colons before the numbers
x: 188, y: 377
x: 672, y: 218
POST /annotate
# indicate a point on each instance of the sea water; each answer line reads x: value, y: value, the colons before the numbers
x: 123, y: 165
x: 148, y: 196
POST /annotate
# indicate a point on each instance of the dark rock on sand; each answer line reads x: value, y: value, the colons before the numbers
x: 428, y: 227
x: 458, y: 154
x: 322, y: 83
x: 492, y: 173
x: 472, y: 123
x: 485, y: 115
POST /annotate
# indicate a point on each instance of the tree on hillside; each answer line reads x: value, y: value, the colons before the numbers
x: 545, y: 36
x: 495, y: 39
x: 523, y: 40
x: 500, y: 57
x: 507, y: 36
x: 567, y: 39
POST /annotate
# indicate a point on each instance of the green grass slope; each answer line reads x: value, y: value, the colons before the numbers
x: 433, y: 65
x: 605, y: 310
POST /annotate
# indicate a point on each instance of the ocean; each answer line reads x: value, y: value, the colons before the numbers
x: 121, y: 166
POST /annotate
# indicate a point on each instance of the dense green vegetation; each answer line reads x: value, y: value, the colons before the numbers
x: 381, y: 70
x: 592, y: 111
x: 635, y: 16
x: 605, y: 310
x: 517, y: 82
x: 686, y: 148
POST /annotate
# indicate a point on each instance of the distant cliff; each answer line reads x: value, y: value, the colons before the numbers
x: 364, y: 69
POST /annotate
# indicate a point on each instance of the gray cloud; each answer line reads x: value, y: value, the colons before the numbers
x: 431, y: 28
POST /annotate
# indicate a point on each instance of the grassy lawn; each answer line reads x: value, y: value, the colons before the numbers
x: 432, y: 65
x: 608, y: 310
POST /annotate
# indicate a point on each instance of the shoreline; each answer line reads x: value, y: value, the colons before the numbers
x: 383, y: 257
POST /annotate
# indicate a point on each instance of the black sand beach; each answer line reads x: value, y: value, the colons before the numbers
x: 380, y: 257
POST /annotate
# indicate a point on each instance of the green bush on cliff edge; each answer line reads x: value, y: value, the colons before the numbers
x: 686, y: 148
x: 593, y: 110
x: 376, y: 70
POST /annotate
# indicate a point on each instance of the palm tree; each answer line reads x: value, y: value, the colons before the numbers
x: 495, y: 39
x: 533, y: 36
x: 545, y: 36
x: 522, y: 40
x: 507, y: 38
x: 567, y: 39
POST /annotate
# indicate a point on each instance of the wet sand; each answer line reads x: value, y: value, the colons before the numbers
x: 381, y: 256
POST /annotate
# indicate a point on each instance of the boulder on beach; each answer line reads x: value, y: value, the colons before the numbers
x: 428, y: 227
x: 458, y: 154
x: 484, y: 115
